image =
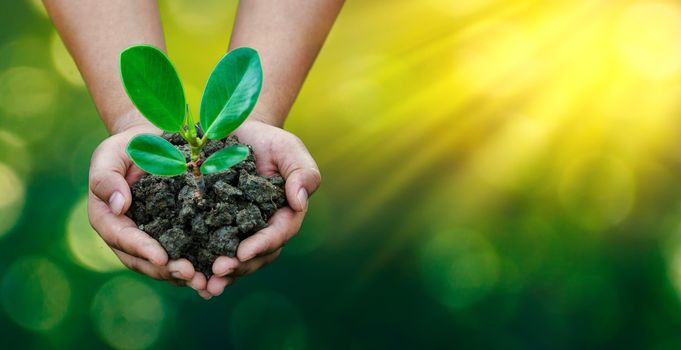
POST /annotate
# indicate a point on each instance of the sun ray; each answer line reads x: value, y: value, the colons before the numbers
x: 553, y: 105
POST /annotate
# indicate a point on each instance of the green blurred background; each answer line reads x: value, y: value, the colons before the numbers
x: 496, y: 174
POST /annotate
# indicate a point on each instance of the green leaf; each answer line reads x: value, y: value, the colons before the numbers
x: 153, y: 86
x: 155, y: 155
x: 224, y: 159
x: 231, y: 92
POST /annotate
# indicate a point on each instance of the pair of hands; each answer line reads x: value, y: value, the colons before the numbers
x: 112, y: 173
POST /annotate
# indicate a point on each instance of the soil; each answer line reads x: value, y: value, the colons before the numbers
x: 236, y: 204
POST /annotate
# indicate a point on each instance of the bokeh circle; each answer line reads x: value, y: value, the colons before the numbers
x: 12, y: 198
x: 36, y: 293
x: 85, y: 245
x: 128, y: 314
x: 459, y: 267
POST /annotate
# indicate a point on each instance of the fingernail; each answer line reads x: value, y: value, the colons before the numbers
x: 302, y: 198
x: 227, y: 272
x: 116, y: 202
x: 176, y: 274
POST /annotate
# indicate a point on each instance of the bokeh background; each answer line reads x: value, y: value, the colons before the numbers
x: 497, y: 174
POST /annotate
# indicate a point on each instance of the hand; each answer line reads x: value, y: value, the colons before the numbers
x: 111, y: 174
x: 276, y: 152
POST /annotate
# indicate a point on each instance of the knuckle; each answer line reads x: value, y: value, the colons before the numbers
x: 93, y: 222
x: 96, y: 179
x: 96, y: 153
x: 316, y: 176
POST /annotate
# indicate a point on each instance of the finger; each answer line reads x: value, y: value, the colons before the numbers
x: 198, y: 282
x: 300, y: 186
x: 301, y: 173
x: 224, y: 265
x: 283, y: 225
x: 247, y: 268
x: 216, y: 285
x: 204, y: 294
x: 181, y: 269
x: 144, y: 267
x: 120, y: 232
x: 107, y: 178
x: 134, y: 174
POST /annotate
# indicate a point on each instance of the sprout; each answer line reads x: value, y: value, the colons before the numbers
x: 154, y: 87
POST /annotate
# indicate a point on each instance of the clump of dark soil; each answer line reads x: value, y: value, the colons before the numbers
x: 236, y: 204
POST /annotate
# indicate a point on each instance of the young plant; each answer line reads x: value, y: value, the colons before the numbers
x: 154, y: 87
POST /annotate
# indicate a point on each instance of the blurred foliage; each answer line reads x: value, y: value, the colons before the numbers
x: 496, y: 174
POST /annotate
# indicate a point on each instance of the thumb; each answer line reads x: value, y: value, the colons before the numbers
x: 301, y: 174
x: 300, y: 185
x: 107, y: 179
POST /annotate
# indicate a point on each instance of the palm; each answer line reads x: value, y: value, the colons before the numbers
x: 263, y: 138
x: 277, y: 152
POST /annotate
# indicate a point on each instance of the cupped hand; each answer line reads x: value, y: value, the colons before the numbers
x: 276, y: 152
x: 111, y: 175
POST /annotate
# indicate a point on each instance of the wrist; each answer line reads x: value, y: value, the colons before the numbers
x: 132, y: 120
x: 260, y: 114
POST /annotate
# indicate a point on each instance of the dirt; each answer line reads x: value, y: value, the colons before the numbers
x: 236, y: 204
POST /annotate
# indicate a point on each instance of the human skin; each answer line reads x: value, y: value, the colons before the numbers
x: 288, y: 35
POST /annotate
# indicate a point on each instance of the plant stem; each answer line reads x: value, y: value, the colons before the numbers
x: 195, y: 146
x: 198, y: 180
x: 195, y: 151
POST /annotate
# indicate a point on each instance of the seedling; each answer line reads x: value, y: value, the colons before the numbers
x: 155, y: 88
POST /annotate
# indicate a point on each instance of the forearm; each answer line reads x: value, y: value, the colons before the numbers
x: 95, y: 32
x: 288, y: 34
